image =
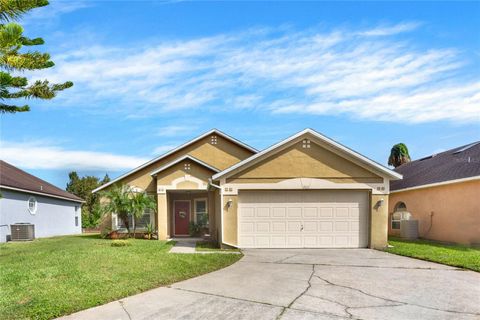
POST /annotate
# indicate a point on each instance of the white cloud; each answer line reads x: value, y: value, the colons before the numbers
x: 175, y: 130
x: 38, y: 155
x: 54, y: 10
x: 358, y: 74
x: 390, y: 30
x: 162, y: 149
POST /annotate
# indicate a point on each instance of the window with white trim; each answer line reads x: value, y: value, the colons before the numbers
x: 399, y: 209
x: 32, y: 205
x: 76, y: 215
x: 140, y: 223
x: 201, y: 211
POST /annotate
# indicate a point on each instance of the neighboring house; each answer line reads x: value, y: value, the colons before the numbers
x: 305, y: 191
x: 28, y: 199
x: 442, y: 192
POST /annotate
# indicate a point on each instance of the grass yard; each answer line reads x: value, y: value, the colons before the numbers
x: 51, y: 277
x: 449, y: 254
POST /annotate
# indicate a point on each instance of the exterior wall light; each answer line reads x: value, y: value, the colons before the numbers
x: 229, y: 203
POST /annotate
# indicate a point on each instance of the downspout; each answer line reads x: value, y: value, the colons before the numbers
x: 213, y: 185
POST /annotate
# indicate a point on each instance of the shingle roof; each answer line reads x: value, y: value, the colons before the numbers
x: 12, y: 177
x: 458, y: 163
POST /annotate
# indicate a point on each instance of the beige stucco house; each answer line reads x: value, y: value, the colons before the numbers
x: 442, y: 192
x: 306, y: 191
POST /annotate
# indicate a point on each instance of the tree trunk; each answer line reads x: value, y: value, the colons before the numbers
x: 134, y: 227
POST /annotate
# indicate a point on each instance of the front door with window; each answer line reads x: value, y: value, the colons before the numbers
x: 181, y: 217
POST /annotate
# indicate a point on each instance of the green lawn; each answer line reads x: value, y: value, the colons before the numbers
x: 51, y: 277
x: 449, y: 254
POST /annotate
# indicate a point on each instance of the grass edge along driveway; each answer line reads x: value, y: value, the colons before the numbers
x: 455, y: 255
x: 51, y: 277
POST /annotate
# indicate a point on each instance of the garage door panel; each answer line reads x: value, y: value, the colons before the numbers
x: 326, y: 212
x: 263, y: 227
x: 279, y: 226
x: 263, y: 212
x: 279, y: 212
x: 341, y: 212
x: 247, y: 227
x: 310, y: 226
x: 326, y: 226
x: 303, y: 219
x: 310, y: 212
x: 294, y: 212
x: 294, y: 226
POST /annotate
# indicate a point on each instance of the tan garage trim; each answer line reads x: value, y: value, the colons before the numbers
x: 326, y: 142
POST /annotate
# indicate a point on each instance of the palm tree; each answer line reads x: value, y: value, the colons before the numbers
x: 398, y: 155
x: 140, y: 201
x: 119, y: 202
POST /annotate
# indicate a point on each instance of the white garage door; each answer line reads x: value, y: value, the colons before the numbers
x: 303, y: 219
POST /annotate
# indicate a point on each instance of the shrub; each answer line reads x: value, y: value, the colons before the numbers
x: 120, y: 243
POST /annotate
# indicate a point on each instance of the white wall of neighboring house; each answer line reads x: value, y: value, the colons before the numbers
x: 53, y: 217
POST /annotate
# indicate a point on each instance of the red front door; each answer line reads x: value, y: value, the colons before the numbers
x: 182, y: 217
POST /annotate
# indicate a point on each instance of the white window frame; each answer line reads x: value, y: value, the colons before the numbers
x: 34, y: 210
x: 392, y: 220
x: 116, y: 221
x: 397, y: 214
x: 195, y: 208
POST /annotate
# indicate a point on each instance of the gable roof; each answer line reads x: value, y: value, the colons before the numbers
x: 13, y: 178
x: 187, y: 156
x: 186, y: 144
x: 451, y: 165
x: 390, y: 173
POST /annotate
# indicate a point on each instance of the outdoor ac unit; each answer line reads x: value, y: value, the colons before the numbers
x: 22, y: 231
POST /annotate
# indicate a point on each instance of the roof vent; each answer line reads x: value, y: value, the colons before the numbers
x: 429, y: 157
x: 41, y: 188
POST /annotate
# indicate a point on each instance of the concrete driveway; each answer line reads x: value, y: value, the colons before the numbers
x: 310, y: 284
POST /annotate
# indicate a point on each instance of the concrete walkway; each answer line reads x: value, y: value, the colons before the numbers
x: 184, y: 246
x: 310, y: 284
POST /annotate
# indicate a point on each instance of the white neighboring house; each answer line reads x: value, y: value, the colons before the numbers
x: 28, y: 199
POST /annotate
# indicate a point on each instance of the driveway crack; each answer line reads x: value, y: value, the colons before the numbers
x: 124, y: 309
x: 309, y: 285
x: 399, y: 303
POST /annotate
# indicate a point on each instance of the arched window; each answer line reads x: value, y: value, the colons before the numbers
x: 400, y: 207
x: 32, y: 205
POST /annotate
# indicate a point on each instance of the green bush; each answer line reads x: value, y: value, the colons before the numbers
x: 120, y: 243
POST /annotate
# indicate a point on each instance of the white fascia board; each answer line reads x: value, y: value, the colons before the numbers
x: 174, y: 162
x: 354, y: 154
x: 213, y: 131
x: 437, y: 184
x: 41, y: 194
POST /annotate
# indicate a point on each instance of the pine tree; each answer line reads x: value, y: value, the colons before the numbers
x: 13, y: 59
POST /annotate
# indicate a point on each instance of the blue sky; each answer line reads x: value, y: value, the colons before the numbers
x: 151, y: 75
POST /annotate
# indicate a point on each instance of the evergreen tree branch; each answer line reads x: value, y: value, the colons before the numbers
x: 4, y: 108
x: 14, y: 9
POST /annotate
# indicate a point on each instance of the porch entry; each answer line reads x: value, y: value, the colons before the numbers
x: 181, y: 211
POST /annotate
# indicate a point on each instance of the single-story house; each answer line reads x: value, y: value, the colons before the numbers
x: 306, y: 191
x: 442, y: 192
x: 26, y: 199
